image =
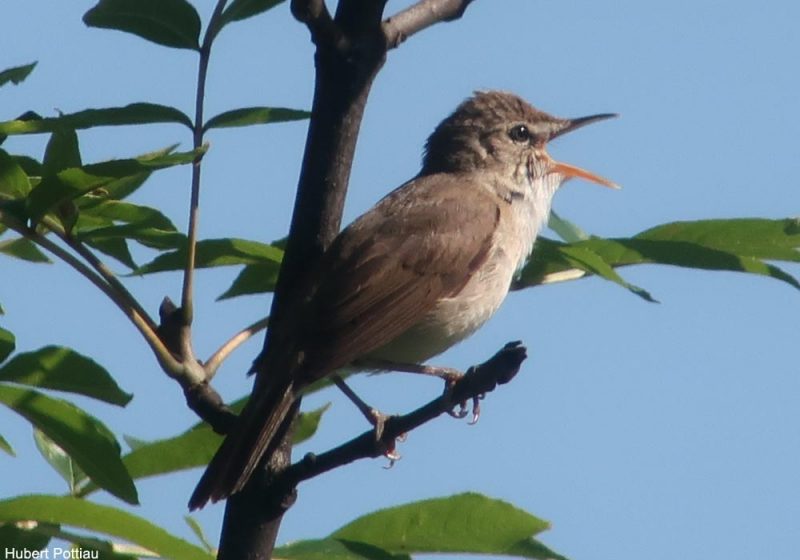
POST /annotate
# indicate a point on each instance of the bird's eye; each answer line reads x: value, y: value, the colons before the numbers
x: 520, y: 133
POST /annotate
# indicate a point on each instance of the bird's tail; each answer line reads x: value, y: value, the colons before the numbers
x: 240, y: 453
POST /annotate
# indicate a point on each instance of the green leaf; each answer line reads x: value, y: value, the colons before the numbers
x: 741, y: 245
x: 105, y: 549
x: 565, y: 229
x: 591, y: 262
x: 14, y: 182
x: 59, y: 460
x: 147, y: 236
x: 115, y: 190
x: 23, y: 539
x: 135, y: 113
x: 189, y: 450
x: 173, y: 23
x: 115, y: 248
x: 16, y: 74
x: 87, y: 440
x: 243, y: 9
x: 255, y: 115
x: 135, y: 443
x: 307, y: 424
x: 195, y: 447
x: 749, y: 237
x: 62, y: 151
x: 31, y: 166
x: 5, y: 446
x: 63, y: 369
x: 253, y: 279
x: 101, y: 519
x: 197, y: 529
x: 24, y: 249
x: 74, y: 182
x: 465, y: 523
x: 118, y: 211
x: 334, y: 549
x: 216, y: 252
x: 7, y: 344
x: 145, y: 225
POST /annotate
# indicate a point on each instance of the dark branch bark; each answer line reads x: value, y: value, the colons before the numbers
x: 323, y: 30
x: 479, y: 380
x: 417, y: 17
x: 345, y: 71
x: 201, y: 398
x: 351, y: 49
x: 208, y: 405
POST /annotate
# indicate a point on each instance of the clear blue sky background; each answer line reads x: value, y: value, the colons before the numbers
x: 639, y: 430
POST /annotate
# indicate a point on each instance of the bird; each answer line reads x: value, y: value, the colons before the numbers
x: 419, y: 272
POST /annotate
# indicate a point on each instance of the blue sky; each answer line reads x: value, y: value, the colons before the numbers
x: 639, y: 430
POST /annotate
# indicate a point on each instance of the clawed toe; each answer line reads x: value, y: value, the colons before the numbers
x: 392, y: 454
x: 476, y: 409
x: 460, y: 410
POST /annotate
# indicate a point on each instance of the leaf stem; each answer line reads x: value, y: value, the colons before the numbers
x: 194, y: 203
x: 212, y: 364
x: 101, y: 268
x: 139, y: 319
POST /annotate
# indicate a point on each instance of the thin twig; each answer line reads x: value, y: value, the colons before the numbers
x: 171, y: 366
x: 101, y: 268
x: 479, y: 380
x: 187, y: 296
x: 212, y: 364
x: 417, y: 17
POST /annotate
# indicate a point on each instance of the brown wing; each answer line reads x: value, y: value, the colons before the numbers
x: 419, y: 244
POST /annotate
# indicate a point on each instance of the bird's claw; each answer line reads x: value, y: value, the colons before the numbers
x: 463, y: 410
x: 393, y: 456
x: 476, y: 409
x: 460, y: 413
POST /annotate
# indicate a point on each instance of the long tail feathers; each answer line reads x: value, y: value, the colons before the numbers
x: 240, y: 453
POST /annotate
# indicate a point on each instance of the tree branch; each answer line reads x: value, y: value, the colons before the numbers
x: 423, y: 14
x: 168, y: 363
x: 324, y: 31
x: 216, y: 359
x: 351, y: 49
x: 197, y: 141
x: 101, y: 268
x: 479, y: 380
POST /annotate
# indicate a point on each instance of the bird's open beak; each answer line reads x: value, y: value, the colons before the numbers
x: 571, y: 171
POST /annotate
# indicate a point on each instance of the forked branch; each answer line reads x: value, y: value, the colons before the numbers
x: 479, y: 380
x: 419, y: 16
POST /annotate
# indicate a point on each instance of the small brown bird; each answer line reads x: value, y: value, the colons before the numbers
x: 422, y: 270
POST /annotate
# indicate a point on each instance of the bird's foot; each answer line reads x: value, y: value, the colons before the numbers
x: 460, y: 410
x: 392, y: 454
x: 463, y: 410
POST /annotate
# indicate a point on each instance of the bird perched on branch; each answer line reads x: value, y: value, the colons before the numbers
x: 419, y: 272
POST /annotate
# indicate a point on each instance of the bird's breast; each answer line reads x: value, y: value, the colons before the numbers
x: 452, y: 319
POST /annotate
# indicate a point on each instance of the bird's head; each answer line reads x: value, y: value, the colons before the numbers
x: 499, y: 131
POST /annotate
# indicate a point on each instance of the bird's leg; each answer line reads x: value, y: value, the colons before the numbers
x: 373, y: 415
x: 449, y: 375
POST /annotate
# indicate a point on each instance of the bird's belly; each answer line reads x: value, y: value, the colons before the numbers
x: 452, y: 319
